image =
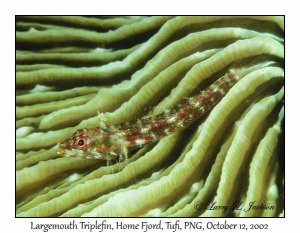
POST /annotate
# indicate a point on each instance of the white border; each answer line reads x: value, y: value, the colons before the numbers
x: 10, y: 8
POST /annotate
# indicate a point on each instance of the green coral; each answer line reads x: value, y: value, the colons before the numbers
x: 68, y: 68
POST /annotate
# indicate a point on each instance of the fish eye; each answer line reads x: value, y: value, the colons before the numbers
x: 82, y: 142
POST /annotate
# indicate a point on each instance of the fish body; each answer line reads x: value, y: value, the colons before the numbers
x: 109, y: 142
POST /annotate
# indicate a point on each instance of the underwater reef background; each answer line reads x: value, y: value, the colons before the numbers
x: 70, y: 67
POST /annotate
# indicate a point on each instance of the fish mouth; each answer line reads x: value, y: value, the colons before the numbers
x: 60, y: 152
x: 62, y: 146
